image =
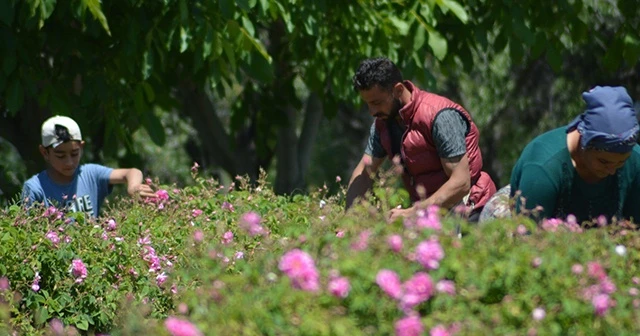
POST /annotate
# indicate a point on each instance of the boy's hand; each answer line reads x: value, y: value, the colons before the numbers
x: 143, y: 190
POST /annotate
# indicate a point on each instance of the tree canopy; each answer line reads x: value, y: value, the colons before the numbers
x: 255, y: 77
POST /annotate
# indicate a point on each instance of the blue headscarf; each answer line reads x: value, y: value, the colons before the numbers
x: 609, y: 123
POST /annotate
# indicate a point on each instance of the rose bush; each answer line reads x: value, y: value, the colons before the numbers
x: 232, y: 260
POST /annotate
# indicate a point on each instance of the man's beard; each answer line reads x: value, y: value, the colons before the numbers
x: 395, y: 109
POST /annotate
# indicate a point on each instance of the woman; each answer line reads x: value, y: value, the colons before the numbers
x: 588, y: 168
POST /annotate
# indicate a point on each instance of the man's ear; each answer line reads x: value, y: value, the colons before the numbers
x: 398, y: 89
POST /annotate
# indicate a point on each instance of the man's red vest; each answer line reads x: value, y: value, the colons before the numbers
x: 419, y: 154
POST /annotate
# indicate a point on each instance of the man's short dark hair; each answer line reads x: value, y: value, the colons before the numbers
x: 376, y: 71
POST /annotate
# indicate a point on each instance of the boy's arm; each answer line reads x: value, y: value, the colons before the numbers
x: 28, y: 196
x: 133, y: 178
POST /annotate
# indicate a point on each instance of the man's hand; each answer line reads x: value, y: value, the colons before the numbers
x: 399, y: 213
x: 143, y: 190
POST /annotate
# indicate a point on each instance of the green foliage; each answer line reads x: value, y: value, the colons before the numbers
x: 112, y: 65
x: 501, y: 274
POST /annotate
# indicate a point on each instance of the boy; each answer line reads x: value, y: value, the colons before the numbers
x: 67, y: 184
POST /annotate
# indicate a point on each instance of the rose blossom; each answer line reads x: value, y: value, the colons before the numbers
x: 389, y: 282
x: 429, y: 253
x: 395, y: 243
x: 78, y: 270
x: 339, y: 287
x: 409, y: 326
x: 180, y: 327
x: 301, y: 270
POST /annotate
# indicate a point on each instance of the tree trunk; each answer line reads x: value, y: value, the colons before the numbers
x: 294, y: 152
x: 214, y: 140
x: 313, y: 117
x: 287, y: 167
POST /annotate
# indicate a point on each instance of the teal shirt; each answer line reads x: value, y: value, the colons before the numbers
x: 545, y: 177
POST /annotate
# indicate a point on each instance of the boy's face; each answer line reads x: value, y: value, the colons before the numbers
x: 65, y: 158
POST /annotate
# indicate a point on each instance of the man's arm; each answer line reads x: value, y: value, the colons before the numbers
x: 456, y: 187
x: 361, y: 181
x: 448, y: 132
x: 133, y: 178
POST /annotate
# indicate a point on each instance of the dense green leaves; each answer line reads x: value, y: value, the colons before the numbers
x: 82, y: 56
x: 221, y: 277
x: 95, y: 9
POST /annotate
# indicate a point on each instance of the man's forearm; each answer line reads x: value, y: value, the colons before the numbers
x: 358, y: 187
x: 449, y: 195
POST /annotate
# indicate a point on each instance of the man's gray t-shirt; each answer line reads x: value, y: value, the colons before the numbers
x: 85, y: 193
x: 449, y: 133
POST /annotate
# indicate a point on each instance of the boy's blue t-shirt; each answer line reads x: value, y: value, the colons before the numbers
x: 90, y: 186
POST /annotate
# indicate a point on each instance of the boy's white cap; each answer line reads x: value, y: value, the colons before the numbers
x: 59, y: 129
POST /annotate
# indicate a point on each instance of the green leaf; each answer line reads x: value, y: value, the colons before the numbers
x: 184, y: 11
x: 258, y: 45
x: 184, y: 39
x: 417, y: 63
x: 523, y: 32
x: 154, y: 127
x: 6, y: 12
x: 456, y: 8
x: 248, y: 25
x: 96, y: 10
x: 539, y: 46
x: 554, y: 58
x: 139, y: 101
x: 147, y: 64
x: 9, y: 62
x: 501, y: 40
x: 285, y: 16
x: 217, y: 45
x: 234, y: 30
x: 419, y: 38
x: 148, y: 91
x: 46, y: 9
x: 612, y: 57
x: 231, y: 56
x: 516, y: 51
x: 261, y: 69
x: 401, y: 25
x: 243, y: 4
x: 264, y: 4
x: 438, y: 44
x: 15, y: 97
x: 631, y: 50
x: 41, y: 315
x: 207, y: 43
x: 310, y: 26
x: 227, y: 8
x: 83, y: 325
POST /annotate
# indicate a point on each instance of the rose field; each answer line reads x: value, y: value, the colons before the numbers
x: 239, y: 260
